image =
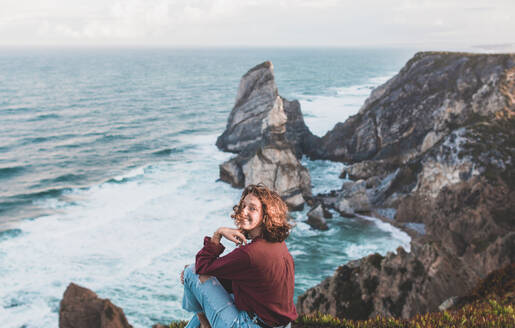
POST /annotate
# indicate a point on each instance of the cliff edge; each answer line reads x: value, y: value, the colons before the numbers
x: 433, y: 147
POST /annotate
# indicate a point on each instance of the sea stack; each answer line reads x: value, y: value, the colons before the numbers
x: 269, y: 135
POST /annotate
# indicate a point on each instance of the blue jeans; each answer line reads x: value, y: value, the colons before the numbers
x: 211, y: 298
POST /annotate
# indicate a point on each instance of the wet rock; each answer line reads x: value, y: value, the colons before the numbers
x: 82, y: 308
x: 316, y: 218
x: 353, y: 198
x: 343, y: 206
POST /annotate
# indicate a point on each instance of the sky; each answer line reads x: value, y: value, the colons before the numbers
x: 233, y: 23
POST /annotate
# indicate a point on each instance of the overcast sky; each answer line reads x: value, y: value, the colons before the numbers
x: 171, y: 23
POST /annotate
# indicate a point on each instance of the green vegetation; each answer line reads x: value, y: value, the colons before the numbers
x: 490, y: 313
x: 490, y: 304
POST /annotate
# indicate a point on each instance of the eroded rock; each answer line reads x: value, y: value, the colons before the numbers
x: 316, y: 218
x: 435, y: 143
x: 269, y: 135
x: 256, y: 108
x: 82, y: 308
x: 279, y: 169
x: 432, y: 94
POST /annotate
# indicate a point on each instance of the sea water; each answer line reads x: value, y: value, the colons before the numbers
x: 109, y: 172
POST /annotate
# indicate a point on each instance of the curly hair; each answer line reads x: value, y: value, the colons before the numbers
x: 276, y: 227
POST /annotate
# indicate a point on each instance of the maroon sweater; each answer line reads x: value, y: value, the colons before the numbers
x: 262, y: 275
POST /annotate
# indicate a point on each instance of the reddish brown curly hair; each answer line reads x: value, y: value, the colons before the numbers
x: 276, y: 227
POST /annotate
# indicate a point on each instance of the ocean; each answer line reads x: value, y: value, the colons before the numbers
x: 109, y: 169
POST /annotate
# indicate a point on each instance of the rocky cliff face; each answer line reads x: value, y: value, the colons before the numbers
x: 259, y: 105
x: 470, y: 231
x: 432, y: 95
x: 269, y: 135
x: 434, y: 145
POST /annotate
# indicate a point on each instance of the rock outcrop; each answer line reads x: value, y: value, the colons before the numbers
x: 470, y: 232
x: 258, y: 104
x: 269, y: 135
x: 82, y: 308
x: 316, y: 218
x: 435, y: 145
x: 432, y: 95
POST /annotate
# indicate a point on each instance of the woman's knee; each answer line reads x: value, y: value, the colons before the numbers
x: 189, y: 273
x: 203, y: 278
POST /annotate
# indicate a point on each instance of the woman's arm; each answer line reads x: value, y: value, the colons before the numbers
x: 231, y: 266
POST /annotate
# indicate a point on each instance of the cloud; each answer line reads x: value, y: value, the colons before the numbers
x: 255, y: 22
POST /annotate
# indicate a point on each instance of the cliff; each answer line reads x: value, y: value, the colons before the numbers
x: 435, y: 146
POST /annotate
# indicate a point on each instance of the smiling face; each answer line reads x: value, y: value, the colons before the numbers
x: 251, y: 214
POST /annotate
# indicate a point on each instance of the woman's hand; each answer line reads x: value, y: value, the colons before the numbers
x: 231, y: 234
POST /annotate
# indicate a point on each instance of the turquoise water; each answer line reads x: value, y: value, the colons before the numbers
x: 108, y: 169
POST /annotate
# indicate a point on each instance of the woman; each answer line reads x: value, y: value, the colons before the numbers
x: 259, y: 274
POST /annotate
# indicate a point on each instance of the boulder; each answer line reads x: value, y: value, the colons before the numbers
x: 316, y: 218
x: 82, y: 308
x: 354, y: 197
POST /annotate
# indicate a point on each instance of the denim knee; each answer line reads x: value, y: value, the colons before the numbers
x: 189, y: 274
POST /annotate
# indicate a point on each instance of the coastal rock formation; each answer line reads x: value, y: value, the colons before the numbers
x: 255, y: 108
x: 316, y: 218
x: 394, y: 285
x: 470, y: 232
x: 279, y: 169
x: 269, y: 135
x: 435, y: 145
x: 432, y: 95
x: 82, y: 308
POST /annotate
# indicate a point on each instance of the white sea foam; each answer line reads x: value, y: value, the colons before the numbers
x: 399, y: 237
x: 297, y: 252
x: 131, y: 174
x: 115, y: 235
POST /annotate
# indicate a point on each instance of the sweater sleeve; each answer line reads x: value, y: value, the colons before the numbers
x: 231, y: 266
